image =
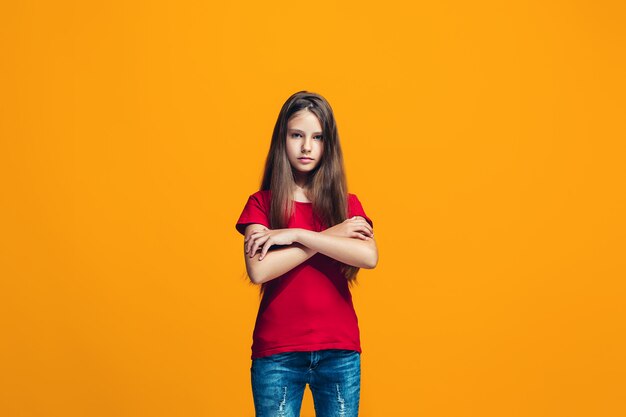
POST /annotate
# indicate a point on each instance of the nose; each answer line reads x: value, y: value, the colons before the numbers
x: 306, y: 145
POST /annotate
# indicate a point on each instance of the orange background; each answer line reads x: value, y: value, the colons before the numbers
x: 485, y: 140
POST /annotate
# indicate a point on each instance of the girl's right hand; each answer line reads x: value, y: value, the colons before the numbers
x: 354, y: 227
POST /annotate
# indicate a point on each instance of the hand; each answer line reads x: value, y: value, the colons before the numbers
x: 262, y: 239
x: 354, y: 227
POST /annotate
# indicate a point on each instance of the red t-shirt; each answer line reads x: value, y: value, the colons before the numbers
x: 310, y: 307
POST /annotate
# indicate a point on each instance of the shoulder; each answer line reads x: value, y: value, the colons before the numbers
x: 354, y: 204
x: 262, y: 197
x: 352, y: 198
x: 261, y: 194
x: 355, y: 208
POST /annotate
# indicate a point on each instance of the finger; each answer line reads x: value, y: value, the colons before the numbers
x: 361, y: 228
x: 249, y: 240
x: 253, y: 247
x: 365, y: 224
x: 252, y: 234
x: 266, y: 247
x: 259, y: 244
x: 257, y: 240
x: 352, y: 220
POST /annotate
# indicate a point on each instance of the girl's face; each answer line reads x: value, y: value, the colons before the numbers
x: 305, y: 145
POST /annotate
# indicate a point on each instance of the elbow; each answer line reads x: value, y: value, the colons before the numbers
x: 259, y: 275
x: 255, y: 275
x: 254, y: 279
x: 372, y: 261
x: 369, y: 257
x: 371, y: 264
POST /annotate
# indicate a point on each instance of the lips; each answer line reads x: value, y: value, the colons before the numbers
x: 305, y: 159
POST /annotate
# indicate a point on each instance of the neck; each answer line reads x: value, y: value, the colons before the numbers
x: 300, y: 181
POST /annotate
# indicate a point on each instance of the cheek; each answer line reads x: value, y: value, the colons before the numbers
x: 291, y: 150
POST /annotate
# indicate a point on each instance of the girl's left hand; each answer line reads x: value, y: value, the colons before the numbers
x: 264, y: 238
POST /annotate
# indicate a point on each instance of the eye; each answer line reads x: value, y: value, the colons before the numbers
x: 294, y: 135
x: 319, y: 137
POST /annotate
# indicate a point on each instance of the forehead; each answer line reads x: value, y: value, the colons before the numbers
x: 304, y: 120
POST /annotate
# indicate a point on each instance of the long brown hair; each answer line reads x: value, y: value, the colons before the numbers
x: 326, y: 185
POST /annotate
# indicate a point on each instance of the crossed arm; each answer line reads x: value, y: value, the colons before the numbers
x: 361, y: 253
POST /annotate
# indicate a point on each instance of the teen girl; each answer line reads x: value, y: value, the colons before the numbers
x: 305, y: 239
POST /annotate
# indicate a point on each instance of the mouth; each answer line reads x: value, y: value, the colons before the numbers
x: 305, y: 159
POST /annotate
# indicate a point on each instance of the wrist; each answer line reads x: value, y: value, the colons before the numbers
x: 301, y: 235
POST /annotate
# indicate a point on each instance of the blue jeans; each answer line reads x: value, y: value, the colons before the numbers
x: 333, y: 375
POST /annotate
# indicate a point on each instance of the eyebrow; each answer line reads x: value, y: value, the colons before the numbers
x: 298, y: 130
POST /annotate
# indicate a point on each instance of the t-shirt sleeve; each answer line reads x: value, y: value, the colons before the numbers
x: 356, y: 209
x: 253, y: 212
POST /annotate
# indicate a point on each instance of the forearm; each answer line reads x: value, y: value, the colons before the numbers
x: 350, y: 251
x: 276, y: 262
